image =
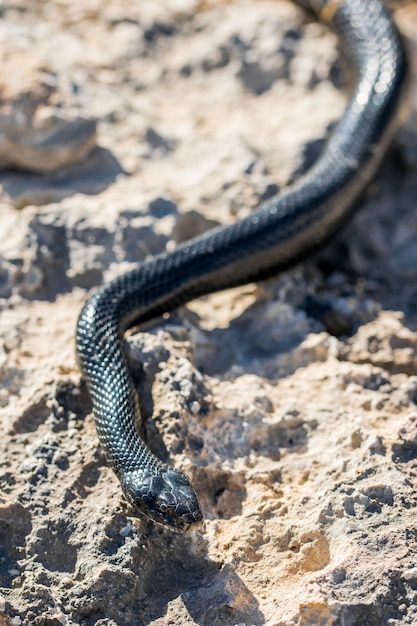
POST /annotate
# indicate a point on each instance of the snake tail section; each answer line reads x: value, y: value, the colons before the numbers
x: 281, y: 233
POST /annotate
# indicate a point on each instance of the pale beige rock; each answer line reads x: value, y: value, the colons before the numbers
x: 35, y: 133
x: 291, y: 405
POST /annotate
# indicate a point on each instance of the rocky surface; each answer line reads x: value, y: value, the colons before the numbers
x: 37, y: 132
x: 292, y: 404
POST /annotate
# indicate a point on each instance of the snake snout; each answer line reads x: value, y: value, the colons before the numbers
x: 166, y: 498
x: 181, y: 501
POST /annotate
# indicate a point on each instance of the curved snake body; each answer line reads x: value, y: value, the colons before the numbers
x: 281, y: 233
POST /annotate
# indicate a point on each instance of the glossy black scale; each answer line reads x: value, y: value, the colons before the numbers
x: 281, y: 233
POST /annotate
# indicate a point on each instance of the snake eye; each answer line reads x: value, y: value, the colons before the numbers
x: 163, y: 507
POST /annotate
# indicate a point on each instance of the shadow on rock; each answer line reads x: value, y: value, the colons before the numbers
x: 183, y: 580
x: 91, y: 177
x: 165, y: 575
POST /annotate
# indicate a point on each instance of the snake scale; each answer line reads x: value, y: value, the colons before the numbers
x: 279, y: 234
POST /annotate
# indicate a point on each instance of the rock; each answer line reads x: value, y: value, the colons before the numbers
x: 291, y: 405
x: 92, y: 176
x: 35, y: 134
x: 47, y: 144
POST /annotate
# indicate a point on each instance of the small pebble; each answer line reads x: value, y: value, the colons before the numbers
x: 14, y: 572
x: 125, y: 531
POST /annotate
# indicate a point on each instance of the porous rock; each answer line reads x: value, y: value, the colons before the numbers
x: 291, y: 405
x: 36, y: 133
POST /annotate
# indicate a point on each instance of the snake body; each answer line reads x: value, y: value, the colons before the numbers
x: 281, y: 233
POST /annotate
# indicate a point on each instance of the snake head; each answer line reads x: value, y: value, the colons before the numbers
x: 166, y: 498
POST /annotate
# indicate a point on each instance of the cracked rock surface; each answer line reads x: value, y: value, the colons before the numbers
x: 292, y: 404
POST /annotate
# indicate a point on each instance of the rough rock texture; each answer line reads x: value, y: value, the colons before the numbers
x: 292, y: 405
x: 34, y: 133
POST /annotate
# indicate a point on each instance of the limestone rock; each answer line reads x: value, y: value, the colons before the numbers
x: 291, y: 404
x: 35, y: 132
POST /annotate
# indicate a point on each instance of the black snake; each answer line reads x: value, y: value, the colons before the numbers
x: 281, y: 233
